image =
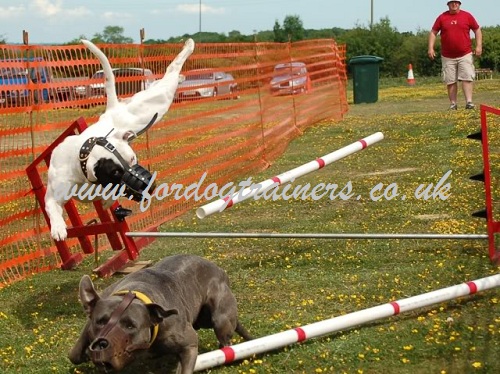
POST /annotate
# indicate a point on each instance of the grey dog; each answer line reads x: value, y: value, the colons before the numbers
x: 158, y: 310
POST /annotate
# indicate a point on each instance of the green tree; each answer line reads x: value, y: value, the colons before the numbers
x: 381, y: 40
x: 491, y: 48
x: 279, y: 33
x: 292, y: 30
x: 293, y: 27
x: 236, y: 36
x: 323, y: 33
x: 413, y: 51
x: 76, y: 40
x: 112, y: 34
x: 265, y: 36
x: 209, y: 37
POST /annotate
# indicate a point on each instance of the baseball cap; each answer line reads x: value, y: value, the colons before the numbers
x: 454, y: 1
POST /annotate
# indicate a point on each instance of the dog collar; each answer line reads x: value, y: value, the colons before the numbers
x: 85, y: 153
x: 145, y: 300
x: 87, y: 147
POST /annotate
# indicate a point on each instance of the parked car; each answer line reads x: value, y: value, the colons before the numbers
x: 11, y: 80
x: 290, y: 78
x: 15, y: 78
x: 123, y: 86
x: 197, y: 84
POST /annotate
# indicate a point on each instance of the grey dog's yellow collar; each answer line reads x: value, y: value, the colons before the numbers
x: 145, y: 300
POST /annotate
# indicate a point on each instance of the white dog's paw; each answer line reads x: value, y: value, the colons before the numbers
x: 189, y: 45
x: 58, y: 232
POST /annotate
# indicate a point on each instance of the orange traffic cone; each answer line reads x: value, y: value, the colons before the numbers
x: 411, y: 78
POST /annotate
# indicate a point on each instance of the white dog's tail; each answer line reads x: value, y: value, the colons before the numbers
x: 158, y: 97
x: 156, y: 100
x: 109, y: 83
x: 170, y: 79
x: 144, y: 108
x: 176, y: 65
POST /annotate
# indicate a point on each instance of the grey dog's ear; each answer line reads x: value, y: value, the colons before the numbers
x: 88, y: 294
x: 157, y: 313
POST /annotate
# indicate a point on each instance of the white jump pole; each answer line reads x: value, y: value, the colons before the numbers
x: 277, y: 235
x: 239, y: 351
x: 221, y: 204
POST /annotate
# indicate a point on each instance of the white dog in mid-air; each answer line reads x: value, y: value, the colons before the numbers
x: 101, y: 155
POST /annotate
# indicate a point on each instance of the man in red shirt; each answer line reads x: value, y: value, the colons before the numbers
x: 456, y: 50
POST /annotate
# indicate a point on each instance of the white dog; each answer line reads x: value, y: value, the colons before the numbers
x: 100, y: 154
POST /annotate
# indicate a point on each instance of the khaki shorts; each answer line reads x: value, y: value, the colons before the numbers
x: 458, y: 69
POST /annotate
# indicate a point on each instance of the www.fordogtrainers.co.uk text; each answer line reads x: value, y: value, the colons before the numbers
x: 245, y: 189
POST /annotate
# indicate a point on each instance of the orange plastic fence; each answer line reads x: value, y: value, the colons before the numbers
x: 229, y: 134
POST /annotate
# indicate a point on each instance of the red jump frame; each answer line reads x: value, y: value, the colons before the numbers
x: 493, y: 226
x: 114, y: 228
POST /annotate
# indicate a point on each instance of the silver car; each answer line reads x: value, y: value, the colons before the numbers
x: 197, y: 84
x: 290, y: 78
x: 124, y: 86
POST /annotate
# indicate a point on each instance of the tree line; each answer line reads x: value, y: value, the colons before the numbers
x: 398, y: 49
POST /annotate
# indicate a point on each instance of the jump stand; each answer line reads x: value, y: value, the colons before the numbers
x: 493, y: 224
x: 114, y: 227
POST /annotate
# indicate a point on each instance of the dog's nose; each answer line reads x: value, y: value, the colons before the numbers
x: 99, y: 344
x: 106, y: 367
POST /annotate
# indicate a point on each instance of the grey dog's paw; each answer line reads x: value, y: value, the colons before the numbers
x: 58, y: 232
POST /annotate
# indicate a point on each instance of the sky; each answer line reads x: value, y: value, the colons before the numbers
x: 60, y: 21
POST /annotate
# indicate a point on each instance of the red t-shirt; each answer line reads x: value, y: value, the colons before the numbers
x: 455, y: 33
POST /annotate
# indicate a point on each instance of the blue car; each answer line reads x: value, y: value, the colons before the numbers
x: 14, y: 81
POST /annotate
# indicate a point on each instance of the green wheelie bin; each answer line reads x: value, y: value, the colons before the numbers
x: 365, y: 75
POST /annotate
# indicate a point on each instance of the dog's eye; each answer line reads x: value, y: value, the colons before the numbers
x: 102, y: 321
x: 129, y: 325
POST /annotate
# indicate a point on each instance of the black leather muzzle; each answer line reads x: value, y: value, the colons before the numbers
x: 135, y: 178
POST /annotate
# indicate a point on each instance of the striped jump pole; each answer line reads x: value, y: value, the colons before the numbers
x: 227, y: 202
x: 267, y: 343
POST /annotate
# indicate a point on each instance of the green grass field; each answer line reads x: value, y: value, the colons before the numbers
x: 285, y: 283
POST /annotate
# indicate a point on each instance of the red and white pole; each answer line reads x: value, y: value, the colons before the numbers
x: 227, y: 202
x: 267, y: 343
